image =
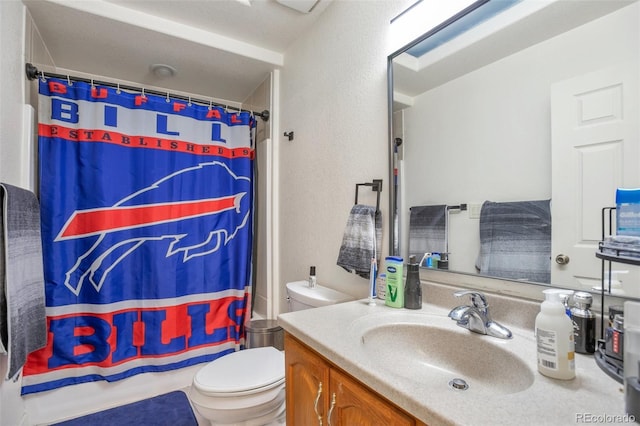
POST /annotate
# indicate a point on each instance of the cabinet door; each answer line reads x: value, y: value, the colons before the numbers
x: 353, y: 404
x: 307, y: 385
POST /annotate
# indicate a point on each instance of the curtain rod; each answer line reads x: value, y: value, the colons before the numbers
x: 33, y: 73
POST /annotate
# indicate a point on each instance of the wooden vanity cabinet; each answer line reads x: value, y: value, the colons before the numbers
x: 319, y: 393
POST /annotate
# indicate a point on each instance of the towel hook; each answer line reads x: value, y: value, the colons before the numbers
x: 376, y: 185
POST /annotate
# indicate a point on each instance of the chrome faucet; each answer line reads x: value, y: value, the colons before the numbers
x: 476, y: 317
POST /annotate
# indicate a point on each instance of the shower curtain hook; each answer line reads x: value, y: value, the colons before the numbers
x: 168, y: 100
x: 143, y: 95
x: 189, y: 103
x: 69, y: 82
x: 42, y: 77
x: 92, y: 86
x: 210, y: 104
x: 118, y: 88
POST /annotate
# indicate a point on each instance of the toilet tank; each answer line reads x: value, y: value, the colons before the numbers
x: 301, y: 296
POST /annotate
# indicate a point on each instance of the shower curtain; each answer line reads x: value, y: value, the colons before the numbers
x: 146, y: 206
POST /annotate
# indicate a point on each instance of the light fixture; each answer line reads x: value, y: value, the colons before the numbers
x: 162, y: 70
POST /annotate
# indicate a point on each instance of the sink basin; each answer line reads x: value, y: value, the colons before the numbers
x: 433, y: 351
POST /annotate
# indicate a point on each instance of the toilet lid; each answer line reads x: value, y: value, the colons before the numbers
x: 242, y: 372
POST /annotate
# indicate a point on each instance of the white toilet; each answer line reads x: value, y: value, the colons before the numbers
x: 246, y: 388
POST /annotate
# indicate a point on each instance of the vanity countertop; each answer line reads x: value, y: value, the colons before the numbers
x: 592, y: 397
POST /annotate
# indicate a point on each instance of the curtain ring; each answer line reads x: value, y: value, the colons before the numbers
x: 69, y: 82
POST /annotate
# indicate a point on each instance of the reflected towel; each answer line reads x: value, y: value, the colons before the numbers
x: 427, y: 230
x: 23, y: 327
x: 361, y: 241
x: 515, y: 240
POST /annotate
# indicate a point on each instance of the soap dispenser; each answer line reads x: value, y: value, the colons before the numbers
x: 555, y: 338
x: 412, y: 287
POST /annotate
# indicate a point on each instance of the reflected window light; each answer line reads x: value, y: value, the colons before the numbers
x: 422, y: 17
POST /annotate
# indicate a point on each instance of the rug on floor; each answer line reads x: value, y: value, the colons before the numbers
x: 170, y: 409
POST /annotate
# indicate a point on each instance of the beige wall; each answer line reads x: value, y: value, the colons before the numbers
x: 334, y: 98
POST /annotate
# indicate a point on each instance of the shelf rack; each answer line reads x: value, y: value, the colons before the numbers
x: 610, y: 366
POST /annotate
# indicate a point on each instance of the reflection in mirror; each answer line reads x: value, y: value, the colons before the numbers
x: 535, y: 104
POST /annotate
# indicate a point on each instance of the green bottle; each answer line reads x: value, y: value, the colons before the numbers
x: 395, y: 286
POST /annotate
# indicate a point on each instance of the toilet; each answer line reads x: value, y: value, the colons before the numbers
x: 246, y: 388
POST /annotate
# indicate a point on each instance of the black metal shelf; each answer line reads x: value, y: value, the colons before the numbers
x: 610, y: 366
x: 618, y: 258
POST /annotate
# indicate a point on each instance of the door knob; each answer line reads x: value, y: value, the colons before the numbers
x: 562, y: 259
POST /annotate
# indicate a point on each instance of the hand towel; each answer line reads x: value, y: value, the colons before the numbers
x: 361, y: 241
x: 515, y: 240
x: 427, y: 230
x: 23, y: 327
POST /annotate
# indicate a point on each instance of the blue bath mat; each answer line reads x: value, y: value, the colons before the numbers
x: 170, y: 409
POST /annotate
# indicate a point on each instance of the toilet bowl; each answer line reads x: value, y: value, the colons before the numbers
x: 246, y: 388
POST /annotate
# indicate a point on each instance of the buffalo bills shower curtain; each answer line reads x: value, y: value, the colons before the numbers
x: 146, y: 206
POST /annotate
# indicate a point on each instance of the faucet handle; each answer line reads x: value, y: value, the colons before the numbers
x: 477, y: 298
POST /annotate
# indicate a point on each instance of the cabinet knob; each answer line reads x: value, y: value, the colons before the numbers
x: 562, y: 259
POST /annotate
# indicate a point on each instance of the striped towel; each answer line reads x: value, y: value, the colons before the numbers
x: 427, y: 230
x: 515, y: 240
x: 361, y: 241
x: 23, y: 326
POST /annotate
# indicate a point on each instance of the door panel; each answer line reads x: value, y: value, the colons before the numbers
x: 594, y: 133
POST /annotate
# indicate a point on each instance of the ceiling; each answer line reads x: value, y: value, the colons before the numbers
x: 220, y: 48
x: 524, y: 24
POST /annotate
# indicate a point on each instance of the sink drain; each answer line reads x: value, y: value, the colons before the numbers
x: 458, y: 384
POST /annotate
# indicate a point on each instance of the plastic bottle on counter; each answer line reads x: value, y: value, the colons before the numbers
x: 395, y: 288
x: 412, y: 287
x: 312, y: 277
x: 585, y: 323
x: 555, y: 338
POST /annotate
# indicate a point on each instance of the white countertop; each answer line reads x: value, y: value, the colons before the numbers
x: 333, y: 331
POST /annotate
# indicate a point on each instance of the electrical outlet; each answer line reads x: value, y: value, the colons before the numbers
x: 474, y: 210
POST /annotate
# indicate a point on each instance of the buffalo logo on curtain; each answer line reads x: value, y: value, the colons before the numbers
x: 147, y: 233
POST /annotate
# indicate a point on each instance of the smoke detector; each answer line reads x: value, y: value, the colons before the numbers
x: 302, y: 6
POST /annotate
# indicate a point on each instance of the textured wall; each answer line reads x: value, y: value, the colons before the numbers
x: 334, y: 97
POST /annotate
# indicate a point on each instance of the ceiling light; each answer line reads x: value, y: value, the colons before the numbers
x: 162, y: 70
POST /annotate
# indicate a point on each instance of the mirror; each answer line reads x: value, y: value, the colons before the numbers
x: 514, y: 101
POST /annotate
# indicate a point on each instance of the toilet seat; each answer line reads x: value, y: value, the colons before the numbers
x: 241, y: 373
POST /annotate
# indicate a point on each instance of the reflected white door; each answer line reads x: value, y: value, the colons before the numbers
x: 594, y: 132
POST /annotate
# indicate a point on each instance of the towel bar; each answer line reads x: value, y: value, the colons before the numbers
x: 461, y: 207
x: 376, y: 185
